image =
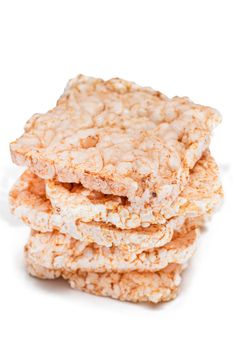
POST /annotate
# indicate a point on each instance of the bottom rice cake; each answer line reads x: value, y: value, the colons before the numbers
x: 59, y: 251
x: 131, y: 286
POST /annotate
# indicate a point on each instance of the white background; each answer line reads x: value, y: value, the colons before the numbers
x: 178, y: 47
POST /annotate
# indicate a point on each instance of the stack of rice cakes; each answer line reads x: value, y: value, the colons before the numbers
x: 119, y: 181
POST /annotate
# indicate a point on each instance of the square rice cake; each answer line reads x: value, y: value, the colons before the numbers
x: 54, y: 250
x: 29, y: 201
x: 133, y: 286
x: 118, y: 138
x: 197, y: 198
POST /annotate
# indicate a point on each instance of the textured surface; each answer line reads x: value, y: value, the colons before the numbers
x: 202, y: 195
x: 130, y: 286
x: 28, y: 201
x: 55, y: 251
x: 198, y: 198
x: 117, y: 138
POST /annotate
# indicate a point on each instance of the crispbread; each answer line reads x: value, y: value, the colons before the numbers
x: 197, y: 198
x: 132, y: 286
x: 57, y: 251
x: 118, y: 138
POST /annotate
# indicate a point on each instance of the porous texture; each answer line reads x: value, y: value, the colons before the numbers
x: 118, y: 138
x: 79, y: 203
x: 28, y: 201
x: 131, y: 286
x: 202, y: 195
x: 56, y: 251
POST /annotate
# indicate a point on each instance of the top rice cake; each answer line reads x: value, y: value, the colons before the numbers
x: 118, y: 138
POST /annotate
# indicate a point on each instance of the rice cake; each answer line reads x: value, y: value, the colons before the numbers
x: 118, y: 138
x: 28, y: 202
x: 131, y: 286
x: 82, y: 204
x: 60, y: 251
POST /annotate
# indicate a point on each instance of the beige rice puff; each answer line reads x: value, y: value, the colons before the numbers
x: 28, y: 202
x: 60, y: 251
x: 131, y: 286
x: 118, y: 138
x: 79, y: 203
